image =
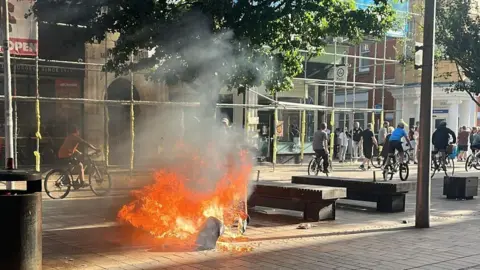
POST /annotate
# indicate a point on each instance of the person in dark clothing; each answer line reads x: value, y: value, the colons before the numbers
x: 385, y: 148
x: 356, y: 134
x: 336, y: 147
x: 441, y: 137
x: 368, y: 139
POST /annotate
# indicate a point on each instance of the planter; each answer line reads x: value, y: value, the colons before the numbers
x: 464, y: 188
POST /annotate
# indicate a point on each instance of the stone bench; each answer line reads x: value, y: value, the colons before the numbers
x: 389, y: 196
x: 316, y: 202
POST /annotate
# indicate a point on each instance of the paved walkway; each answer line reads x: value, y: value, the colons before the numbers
x: 80, y: 233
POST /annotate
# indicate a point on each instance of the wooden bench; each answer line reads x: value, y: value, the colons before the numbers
x: 389, y: 195
x: 316, y: 202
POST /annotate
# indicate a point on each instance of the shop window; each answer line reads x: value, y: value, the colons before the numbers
x: 364, y: 64
x: 360, y: 118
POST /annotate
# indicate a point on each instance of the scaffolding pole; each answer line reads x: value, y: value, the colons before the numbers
x: 15, y: 118
x: 106, y: 117
x: 382, y: 114
x: 132, y: 122
x: 38, y: 134
x: 275, y: 124
x: 304, y: 114
x: 374, y: 81
x: 404, y: 73
x: 9, y: 164
x: 332, y: 116
x: 352, y: 115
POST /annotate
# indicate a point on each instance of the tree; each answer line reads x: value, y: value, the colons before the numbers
x: 458, y: 39
x: 233, y: 42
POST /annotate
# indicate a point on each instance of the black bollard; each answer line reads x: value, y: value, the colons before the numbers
x: 21, y: 222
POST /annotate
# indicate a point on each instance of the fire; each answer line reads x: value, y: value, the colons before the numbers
x: 187, y: 192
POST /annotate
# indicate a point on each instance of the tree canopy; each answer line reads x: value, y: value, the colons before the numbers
x: 458, y: 40
x: 239, y: 42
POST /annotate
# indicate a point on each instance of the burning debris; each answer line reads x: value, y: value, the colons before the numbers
x: 209, y: 234
x: 195, y: 201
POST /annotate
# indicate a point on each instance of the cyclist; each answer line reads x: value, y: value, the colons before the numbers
x: 320, y: 145
x: 395, y: 142
x: 441, y: 138
x: 68, y: 152
x: 385, y: 149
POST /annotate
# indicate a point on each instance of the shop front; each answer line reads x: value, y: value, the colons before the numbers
x: 55, y: 80
x: 456, y: 108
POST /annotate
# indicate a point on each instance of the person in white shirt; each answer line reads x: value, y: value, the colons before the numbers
x: 343, y: 144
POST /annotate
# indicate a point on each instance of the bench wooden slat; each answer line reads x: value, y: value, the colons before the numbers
x: 316, y: 202
x: 300, y: 191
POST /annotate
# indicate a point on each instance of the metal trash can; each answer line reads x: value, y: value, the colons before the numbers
x: 21, y: 221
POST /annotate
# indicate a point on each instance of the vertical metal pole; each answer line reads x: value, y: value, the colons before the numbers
x: 422, y: 214
x: 132, y: 122
x: 353, y: 101
x: 382, y: 113
x: 404, y: 73
x: 304, y: 113
x: 8, y: 94
x: 38, y: 134
x: 106, y: 117
x: 374, y: 89
x: 382, y: 116
x: 275, y: 123
x: 15, y: 116
x: 345, y: 93
x: 332, y: 116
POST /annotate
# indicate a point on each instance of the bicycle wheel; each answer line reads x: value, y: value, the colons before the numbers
x: 57, y: 184
x: 313, y: 167
x: 377, y: 162
x: 406, y: 157
x: 387, y: 172
x: 469, y: 162
x: 449, y: 167
x: 100, y: 182
x: 404, y: 171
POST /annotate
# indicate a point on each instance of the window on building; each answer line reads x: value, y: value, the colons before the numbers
x: 360, y: 118
x: 363, y: 64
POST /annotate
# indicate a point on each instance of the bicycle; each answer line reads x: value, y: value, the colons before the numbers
x: 316, y: 165
x: 391, y: 168
x: 473, y: 161
x: 377, y: 161
x: 96, y: 175
x: 440, y: 160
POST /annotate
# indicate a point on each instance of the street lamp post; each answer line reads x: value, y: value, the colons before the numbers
x: 422, y: 215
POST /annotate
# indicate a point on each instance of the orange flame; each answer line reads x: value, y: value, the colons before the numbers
x: 174, y: 208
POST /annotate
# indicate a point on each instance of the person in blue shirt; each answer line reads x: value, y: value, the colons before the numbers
x: 395, y: 142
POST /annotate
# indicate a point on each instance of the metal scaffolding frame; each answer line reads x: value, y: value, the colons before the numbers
x: 352, y: 86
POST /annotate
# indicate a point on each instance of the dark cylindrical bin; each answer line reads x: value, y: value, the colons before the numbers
x: 21, y: 221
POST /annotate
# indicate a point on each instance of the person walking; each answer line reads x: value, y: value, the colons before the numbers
x: 416, y: 136
x: 413, y: 143
x: 368, y: 139
x: 343, y: 144
x: 356, y: 138
x: 382, y: 133
x: 463, y: 137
